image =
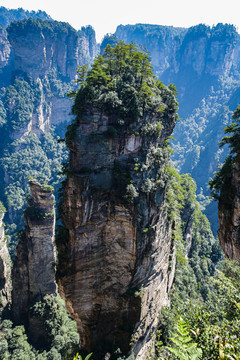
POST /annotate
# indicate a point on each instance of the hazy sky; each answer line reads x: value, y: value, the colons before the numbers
x: 105, y: 15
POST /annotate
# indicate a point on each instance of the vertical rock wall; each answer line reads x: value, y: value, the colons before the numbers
x: 116, y: 257
x: 229, y: 216
x: 34, y: 267
x: 5, y: 268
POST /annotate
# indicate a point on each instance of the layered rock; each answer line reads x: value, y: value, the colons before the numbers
x: 5, y: 267
x: 116, y: 255
x: 34, y: 267
x: 229, y: 216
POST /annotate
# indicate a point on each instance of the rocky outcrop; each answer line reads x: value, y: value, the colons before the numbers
x: 5, y: 48
x: 163, y: 42
x: 40, y: 45
x: 199, y: 50
x: 34, y: 267
x: 87, y: 45
x: 9, y: 15
x: 116, y: 254
x: 229, y: 216
x: 5, y: 267
x: 54, y: 45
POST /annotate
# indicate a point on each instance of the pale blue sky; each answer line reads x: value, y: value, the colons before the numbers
x: 105, y: 15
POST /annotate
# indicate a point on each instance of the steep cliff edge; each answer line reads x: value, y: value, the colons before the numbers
x: 225, y: 188
x: 229, y: 215
x: 203, y: 63
x: 5, y: 267
x: 116, y: 252
x: 34, y: 267
x: 39, y: 60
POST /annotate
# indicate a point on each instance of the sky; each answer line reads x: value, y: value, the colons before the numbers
x: 105, y: 15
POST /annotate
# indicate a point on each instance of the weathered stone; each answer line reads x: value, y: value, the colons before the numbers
x: 5, y: 269
x: 34, y: 268
x: 119, y: 257
x: 5, y: 49
x: 229, y: 216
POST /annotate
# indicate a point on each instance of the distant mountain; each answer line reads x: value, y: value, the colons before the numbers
x: 38, y: 64
x: 204, y: 64
x: 9, y: 15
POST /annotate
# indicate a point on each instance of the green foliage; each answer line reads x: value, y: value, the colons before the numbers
x: 121, y: 82
x: 183, y: 348
x: 234, y: 129
x: 2, y: 208
x: 9, y: 15
x: 221, y: 182
x: 79, y: 357
x: 62, y: 340
x: 212, y: 324
x: 109, y: 39
x: 131, y: 193
x: 14, y: 343
x: 37, y: 157
x: 31, y: 25
x: 20, y: 99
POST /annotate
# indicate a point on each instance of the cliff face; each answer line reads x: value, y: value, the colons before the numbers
x: 5, y: 48
x: 87, y: 45
x: 229, y: 216
x: 39, y: 60
x: 118, y: 260
x: 203, y: 63
x: 54, y: 46
x: 163, y: 42
x: 34, y: 267
x: 5, y: 267
x: 9, y: 15
x: 200, y: 49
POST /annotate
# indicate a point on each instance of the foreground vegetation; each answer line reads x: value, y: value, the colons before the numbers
x: 197, y: 329
x: 204, y: 317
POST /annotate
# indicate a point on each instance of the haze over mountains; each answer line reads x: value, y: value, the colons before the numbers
x: 202, y: 62
x: 129, y: 234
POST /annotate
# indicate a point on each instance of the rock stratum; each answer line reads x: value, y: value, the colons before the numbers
x: 116, y: 264
x: 34, y: 268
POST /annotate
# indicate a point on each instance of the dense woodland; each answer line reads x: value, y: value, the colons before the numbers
x: 203, y: 319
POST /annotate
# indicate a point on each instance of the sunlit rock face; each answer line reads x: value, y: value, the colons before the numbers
x: 34, y: 267
x: 5, y: 268
x: 116, y: 257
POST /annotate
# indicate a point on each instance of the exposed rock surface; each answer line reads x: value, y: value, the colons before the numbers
x: 199, y: 49
x: 87, y: 45
x: 34, y: 267
x: 54, y: 45
x: 5, y: 48
x: 39, y: 46
x: 203, y: 62
x: 5, y: 268
x: 163, y: 42
x: 117, y: 263
x: 229, y: 216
